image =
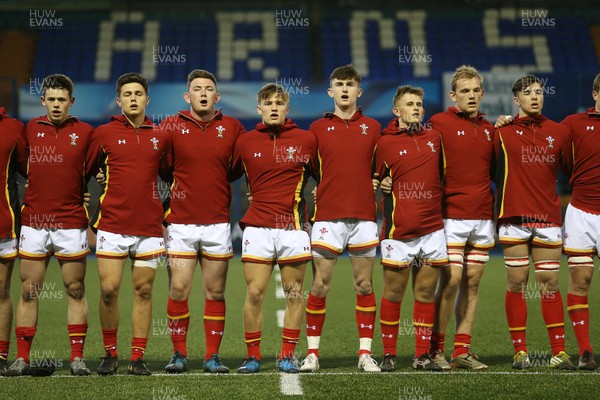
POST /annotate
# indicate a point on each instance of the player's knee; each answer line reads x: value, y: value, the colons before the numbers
x: 425, y: 294
x: 109, y: 293
x: 255, y: 295
x: 363, y: 286
x: 30, y: 290
x: 76, y: 291
x: 143, y: 291
x: 393, y: 294
x: 179, y: 290
x: 215, y: 294
x: 320, y: 288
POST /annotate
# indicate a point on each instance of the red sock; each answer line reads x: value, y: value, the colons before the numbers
x: 4, y: 346
x: 178, y: 315
x: 554, y: 316
x: 138, y: 348
x: 366, y: 308
x: 389, y: 320
x: 423, y: 318
x: 315, y: 318
x: 77, y: 333
x: 516, y: 315
x: 24, y: 336
x: 579, y: 313
x: 462, y: 343
x: 289, y: 342
x: 214, y: 325
x: 438, y: 340
x: 109, y: 337
x: 252, y: 340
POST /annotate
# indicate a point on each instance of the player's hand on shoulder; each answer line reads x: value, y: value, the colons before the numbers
x: 503, y: 120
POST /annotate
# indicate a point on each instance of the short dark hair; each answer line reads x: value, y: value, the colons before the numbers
x: 131, y: 77
x: 525, y: 82
x: 346, y: 72
x: 270, y: 89
x: 58, y: 81
x: 404, y: 89
x: 596, y: 84
x: 200, y: 73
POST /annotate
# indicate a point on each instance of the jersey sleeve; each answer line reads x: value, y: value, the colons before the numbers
x: 22, y: 154
x: 566, y: 163
x: 94, y: 155
x: 380, y: 167
x: 237, y: 168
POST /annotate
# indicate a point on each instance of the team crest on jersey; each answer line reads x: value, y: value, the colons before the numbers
x: 431, y: 146
x: 487, y: 135
x: 101, y: 241
x: 246, y: 243
x: 155, y: 143
x: 74, y: 138
x: 550, y: 141
x: 220, y: 131
x: 364, y: 128
x: 290, y: 151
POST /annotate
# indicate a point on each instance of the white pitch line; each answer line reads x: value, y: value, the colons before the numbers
x: 290, y: 385
x: 321, y: 373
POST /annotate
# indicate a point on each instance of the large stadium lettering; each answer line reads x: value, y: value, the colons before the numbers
x: 107, y: 44
x: 414, y: 52
x: 231, y: 49
x: 538, y: 43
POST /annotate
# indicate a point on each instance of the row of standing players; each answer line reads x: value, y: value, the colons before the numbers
x: 438, y: 217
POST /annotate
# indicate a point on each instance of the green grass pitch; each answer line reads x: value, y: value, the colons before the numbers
x: 338, y: 377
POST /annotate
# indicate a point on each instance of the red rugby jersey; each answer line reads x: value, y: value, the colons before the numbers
x: 56, y: 174
x: 346, y: 150
x: 277, y: 168
x: 412, y: 159
x: 468, y: 152
x: 130, y: 204
x: 529, y: 153
x: 584, y: 130
x: 200, y: 157
x: 13, y: 156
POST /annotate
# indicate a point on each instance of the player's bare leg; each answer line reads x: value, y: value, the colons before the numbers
x: 322, y: 275
x: 181, y: 276
x: 6, y: 311
x: 581, y: 271
x: 292, y: 279
x: 257, y: 281
x: 366, y: 308
x: 110, y: 273
x: 214, y: 280
x: 73, y: 274
x: 547, y: 262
